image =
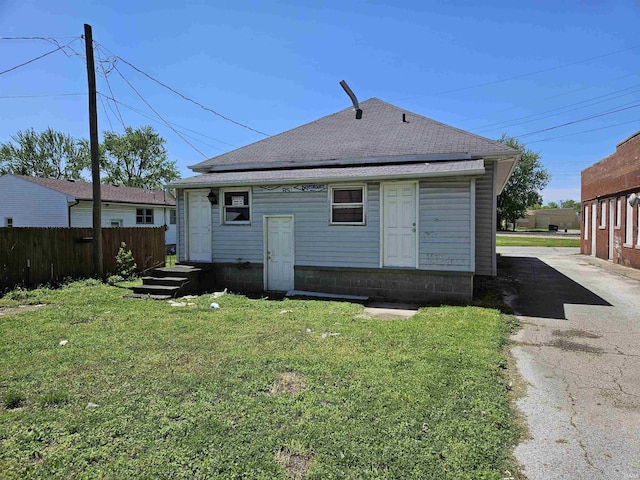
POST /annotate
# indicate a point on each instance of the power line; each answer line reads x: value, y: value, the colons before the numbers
x: 493, y: 82
x: 579, y: 120
x: 156, y: 112
x: 30, y: 61
x: 106, y: 78
x: 140, y: 112
x: 106, y: 114
x: 584, y: 131
x: 224, y: 117
x: 557, y: 110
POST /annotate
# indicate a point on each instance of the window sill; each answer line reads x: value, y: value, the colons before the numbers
x: 628, y: 245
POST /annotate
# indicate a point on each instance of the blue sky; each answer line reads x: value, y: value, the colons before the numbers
x: 522, y: 68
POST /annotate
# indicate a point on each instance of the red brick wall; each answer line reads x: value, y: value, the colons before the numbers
x: 611, y: 179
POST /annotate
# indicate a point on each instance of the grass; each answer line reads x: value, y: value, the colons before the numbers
x: 251, y: 390
x: 521, y: 241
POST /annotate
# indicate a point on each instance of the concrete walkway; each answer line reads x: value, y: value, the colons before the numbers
x: 579, y: 353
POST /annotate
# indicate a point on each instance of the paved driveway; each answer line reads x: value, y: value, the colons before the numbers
x: 579, y: 353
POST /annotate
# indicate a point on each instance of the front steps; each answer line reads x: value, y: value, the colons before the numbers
x: 168, y: 282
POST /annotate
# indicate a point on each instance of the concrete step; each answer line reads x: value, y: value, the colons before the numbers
x: 176, y: 271
x: 326, y: 296
x: 148, y: 296
x: 170, y: 290
x: 169, y: 281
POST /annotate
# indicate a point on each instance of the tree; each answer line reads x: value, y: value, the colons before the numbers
x: 577, y: 206
x: 136, y: 158
x: 48, y: 154
x: 522, y: 190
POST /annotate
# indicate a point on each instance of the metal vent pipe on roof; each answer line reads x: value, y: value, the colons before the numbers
x: 353, y: 98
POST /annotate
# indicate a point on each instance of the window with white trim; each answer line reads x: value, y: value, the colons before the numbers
x: 586, y: 222
x: 172, y: 216
x: 8, y: 222
x: 619, y: 212
x: 347, y: 205
x: 638, y: 240
x: 628, y: 231
x: 116, y: 222
x: 603, y: 214
x: 236, y: 207
x: 144, y: 216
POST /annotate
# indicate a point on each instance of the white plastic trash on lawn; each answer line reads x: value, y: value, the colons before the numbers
x: 215, y: 306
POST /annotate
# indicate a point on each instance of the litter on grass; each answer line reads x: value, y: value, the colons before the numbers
x: 215, y: 306
x: 219, y: 294
x: 330, y: 334
x: 63, y: 342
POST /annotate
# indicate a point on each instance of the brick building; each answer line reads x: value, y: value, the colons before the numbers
x: 610, y: 210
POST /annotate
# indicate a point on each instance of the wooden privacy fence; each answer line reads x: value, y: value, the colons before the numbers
x: 32, y: 256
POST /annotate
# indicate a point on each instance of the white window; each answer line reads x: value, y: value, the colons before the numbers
x: 638, y: 240
x: 236, y: 206
x: 116, y: 222
x: 586, y: 222
x: 603, y: 214
x: 628, y: 231
x: 347, y: 205
x: 8, y: 222
x: 144, y: 216
x: 172, y: 216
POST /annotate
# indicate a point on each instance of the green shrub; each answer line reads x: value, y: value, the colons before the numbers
x: 114, y: 279
x: 126, y: 263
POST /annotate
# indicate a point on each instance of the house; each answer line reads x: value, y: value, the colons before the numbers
x: 610, y: 213
x: 560, y: 217
x: 393, y: 205
x: 48, y: 202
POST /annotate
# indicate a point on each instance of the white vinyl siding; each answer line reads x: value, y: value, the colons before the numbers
x: 82, y: 215
x: 445, y: 224
x: 316, y: 242
x: 486, y: 222
x: 31, y: 205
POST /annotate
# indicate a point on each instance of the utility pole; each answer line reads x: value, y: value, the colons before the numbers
x: 95, y: 155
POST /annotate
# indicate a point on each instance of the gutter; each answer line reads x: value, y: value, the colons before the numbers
x: 413, y: 176
x: 69, y: 210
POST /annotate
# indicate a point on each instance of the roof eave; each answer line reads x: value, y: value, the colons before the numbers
x: 369, y: 178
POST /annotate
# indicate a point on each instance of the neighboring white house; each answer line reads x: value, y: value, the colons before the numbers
x: 392, y: 205
x: 47, y: 202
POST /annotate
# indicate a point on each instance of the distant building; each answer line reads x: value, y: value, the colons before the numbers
x: 610, y: 212
x: 561, y: 217
x: 49, y: 202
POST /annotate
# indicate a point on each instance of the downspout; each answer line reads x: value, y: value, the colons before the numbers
x: 72, y: 205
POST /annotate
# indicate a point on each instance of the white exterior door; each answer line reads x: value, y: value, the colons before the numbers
x: 279, y: 253
x: 198, y: 226
x: 399, y: 225
x: 594, y: 214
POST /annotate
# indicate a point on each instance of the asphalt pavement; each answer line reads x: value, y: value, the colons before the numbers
x: 579, y: 353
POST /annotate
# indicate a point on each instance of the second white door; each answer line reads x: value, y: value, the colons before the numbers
x: 279, y: 253
x: 399, y: 225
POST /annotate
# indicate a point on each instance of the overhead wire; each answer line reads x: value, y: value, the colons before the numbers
x: 573, y: 122
x: 182, y: 127
x: 43, y: 96
x: 32, y: 60
x: 183, y: 96
x: 106, y: 78
x: 523, y: 75
x: 558, y: 111
x: 157, y: 113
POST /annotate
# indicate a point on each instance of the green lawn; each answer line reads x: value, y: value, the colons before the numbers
x: 256, y: 389
x: 521, y: 241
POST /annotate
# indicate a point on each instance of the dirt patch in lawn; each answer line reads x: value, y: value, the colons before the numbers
x: 19, y: 309
x: 288, y: 382
x: 294, y: 464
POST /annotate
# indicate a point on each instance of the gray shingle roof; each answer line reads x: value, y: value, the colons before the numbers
x: 265, y: 177
x: 380, y: 133
x: 109, y: 193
